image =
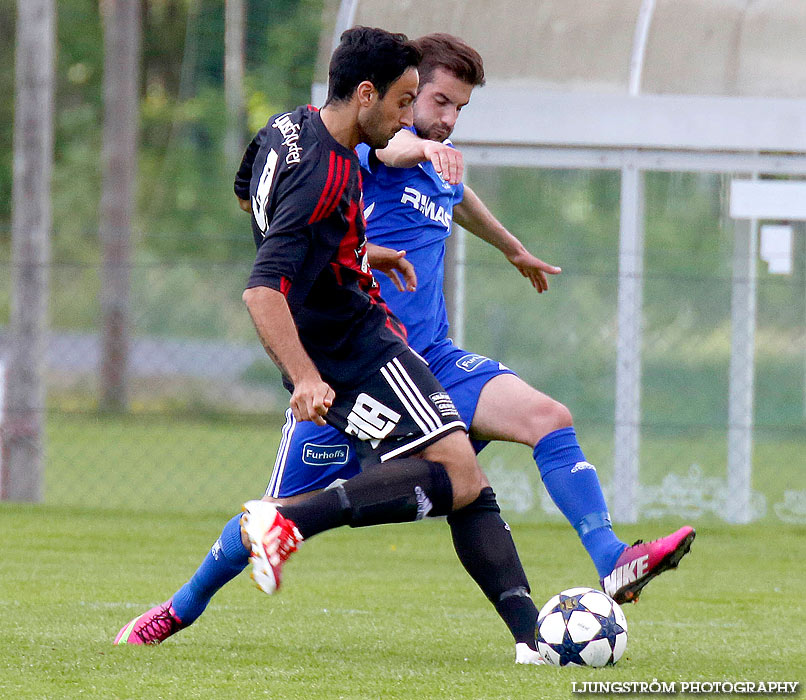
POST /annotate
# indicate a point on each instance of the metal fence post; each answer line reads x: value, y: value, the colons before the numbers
x: 750, y: 201
x: 628, y: 353
x: 742, y: 360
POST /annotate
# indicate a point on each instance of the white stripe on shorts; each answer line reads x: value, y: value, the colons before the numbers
x: 414, y: 401
x: 418, y: 419
x: 273, y: 489
x: 429, y: 410
x: 410, y: 446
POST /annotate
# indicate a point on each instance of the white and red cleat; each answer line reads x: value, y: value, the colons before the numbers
x: 272, y: 538
x: 643, y: 561
x: 152, y: 627
x: 524, y: 654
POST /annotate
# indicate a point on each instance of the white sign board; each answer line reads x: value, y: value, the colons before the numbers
x: 776, y: 248
x: 768, y: 199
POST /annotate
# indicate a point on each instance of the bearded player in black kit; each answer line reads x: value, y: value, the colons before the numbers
x: 343, y: 354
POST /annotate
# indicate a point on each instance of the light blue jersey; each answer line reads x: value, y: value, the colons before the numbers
x: 411, y: 209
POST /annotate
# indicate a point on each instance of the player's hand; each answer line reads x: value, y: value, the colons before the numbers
x: 447, y: 161
x: 244, y: 204
x: 311, y: 400
x: 393, y: 263
x: 534, y: 269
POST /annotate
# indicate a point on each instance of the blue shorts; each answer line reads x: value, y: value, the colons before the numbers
x: 312, y: 457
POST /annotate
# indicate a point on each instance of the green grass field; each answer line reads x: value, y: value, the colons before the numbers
x: 380, y: 613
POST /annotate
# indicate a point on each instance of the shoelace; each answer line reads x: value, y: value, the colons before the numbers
x: 158, y: 627
x: 279, y: 548
x: 288, y: 543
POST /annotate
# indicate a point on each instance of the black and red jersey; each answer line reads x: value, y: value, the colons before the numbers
x: 308, y: 224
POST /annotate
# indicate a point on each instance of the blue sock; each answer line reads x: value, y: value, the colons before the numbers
x: 225, y: 560
x: 574, y: 486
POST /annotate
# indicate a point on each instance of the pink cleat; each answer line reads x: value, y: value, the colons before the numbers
x: 151, y: 627
x: 273, y: 539
x: 642, y: 562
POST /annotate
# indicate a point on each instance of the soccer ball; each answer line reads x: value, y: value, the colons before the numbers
x: 581, y: 627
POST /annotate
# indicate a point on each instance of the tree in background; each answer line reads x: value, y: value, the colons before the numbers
x: 21, y: 435
x: 234, y: 66
x: 119, y: 171
x: 7, y: 29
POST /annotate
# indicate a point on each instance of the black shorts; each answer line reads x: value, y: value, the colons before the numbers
x: 397, y: 411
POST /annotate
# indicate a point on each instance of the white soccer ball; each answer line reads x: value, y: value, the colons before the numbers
x: 581, y: 627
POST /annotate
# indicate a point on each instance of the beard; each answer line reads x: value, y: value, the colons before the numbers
x: 378, y: 141
x: 433, y: 131
x: 374, y: 133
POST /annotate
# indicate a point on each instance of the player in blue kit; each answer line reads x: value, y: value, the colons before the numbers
x: 409, y: 206
x: 412, y: 193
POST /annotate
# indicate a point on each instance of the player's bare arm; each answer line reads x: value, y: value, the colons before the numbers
x: 312, y: 397
x: 473, y: 215
x: 393, y: 264
x: 244, y: 204
x: 406, y: 150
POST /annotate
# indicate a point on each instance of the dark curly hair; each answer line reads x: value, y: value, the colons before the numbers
x: 369, y: 53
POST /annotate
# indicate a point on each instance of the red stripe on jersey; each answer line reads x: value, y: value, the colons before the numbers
x: 339, y: 190
x: 323, y: 212
x: 323, y: 198
x: 350, y: 247
x: 285, y: 286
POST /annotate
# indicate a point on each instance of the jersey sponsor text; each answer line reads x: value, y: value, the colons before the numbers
x: 426, y: 206
x: 290, y: 132
x: 444, y: 404
x: 323, y: 455
x: 470, y: 361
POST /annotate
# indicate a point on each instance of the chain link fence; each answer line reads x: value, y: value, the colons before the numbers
x: 206, y: 404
